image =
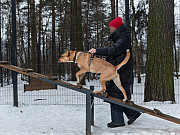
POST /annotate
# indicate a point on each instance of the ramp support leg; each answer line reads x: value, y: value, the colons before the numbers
x: 88, y: 113
x: 92, y: 106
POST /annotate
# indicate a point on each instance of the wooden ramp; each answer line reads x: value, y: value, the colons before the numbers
x: 36, y: 84
x: 53, y: 80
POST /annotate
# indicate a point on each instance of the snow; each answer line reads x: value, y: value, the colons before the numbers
x: 70, y: 120
x: 37, y: 119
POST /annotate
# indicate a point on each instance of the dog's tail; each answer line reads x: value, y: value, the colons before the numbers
x: 124, y: 61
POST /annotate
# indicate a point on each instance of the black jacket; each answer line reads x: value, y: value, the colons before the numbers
x: 115, y: 55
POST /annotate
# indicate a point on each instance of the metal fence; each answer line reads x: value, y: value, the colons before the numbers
x: 64, y: 96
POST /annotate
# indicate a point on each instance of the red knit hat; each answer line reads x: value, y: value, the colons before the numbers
x: 116, y: 22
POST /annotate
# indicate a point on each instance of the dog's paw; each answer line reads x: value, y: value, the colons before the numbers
x: 105, y: 94
x: 131, y: 103
x: 78, y: 85
x: 96, y: 92
x: 125, y: 100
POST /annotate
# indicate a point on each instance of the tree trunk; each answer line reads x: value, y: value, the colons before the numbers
x: 39, y: 39
x: 79, y: 38
x: 28, y: 25
x: 97, y: 26
x: 63, y: 71
x: 45, y: 47
x: 54, y: 63
x: 176, y: 61
x: 33, y: 34
x: 61, y: 66
x: 116, y: 8
x: 43, y: 53
x: 159, y: 83
x: 47, y: 66
x: 136, y: 44
x: 73, y: 34
x: 112, y: 9
x: 23, y: 51
x: 9, y: 37
x: 72, y: 38
x: 87, y: 24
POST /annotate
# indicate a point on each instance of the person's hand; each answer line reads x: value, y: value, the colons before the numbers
x: 92, y: 50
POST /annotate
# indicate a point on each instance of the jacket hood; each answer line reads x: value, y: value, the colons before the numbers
x: 119, y: 33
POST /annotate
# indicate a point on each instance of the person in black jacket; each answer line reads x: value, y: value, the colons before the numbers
x: 115, y: 55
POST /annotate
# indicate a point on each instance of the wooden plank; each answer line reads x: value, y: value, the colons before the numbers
x: 28, y: 70
x: 20, y: 70
x: 39, y: 87
x: 36, y: 84
x: 53, y: 78
x: 4, y: 62
x: 151, y: 112
x: 32, y: 74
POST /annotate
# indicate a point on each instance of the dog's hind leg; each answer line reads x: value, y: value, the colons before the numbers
x: 103, y: 84
x: 80, y: 79
x: 118, y: 84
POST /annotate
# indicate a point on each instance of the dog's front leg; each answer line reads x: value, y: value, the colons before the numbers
x: 80, y: 75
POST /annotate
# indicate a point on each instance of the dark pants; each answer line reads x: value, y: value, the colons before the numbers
x: 117, y: 113
x: 117, y: 110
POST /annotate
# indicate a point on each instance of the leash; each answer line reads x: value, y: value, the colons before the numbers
x: 91, y: 59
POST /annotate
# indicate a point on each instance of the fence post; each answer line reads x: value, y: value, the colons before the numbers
x: 92, y: 106
x: 13, y: 55
x: 88, y: 113
x: 127, y: 26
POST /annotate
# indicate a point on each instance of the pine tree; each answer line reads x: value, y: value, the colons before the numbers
x: 159, y: 83
x: 54, y: 71
x: 33, y: 34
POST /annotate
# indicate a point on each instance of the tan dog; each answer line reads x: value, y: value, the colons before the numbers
x: 97, y: 65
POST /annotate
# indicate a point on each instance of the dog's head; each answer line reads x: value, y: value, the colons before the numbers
x: 66, y: 57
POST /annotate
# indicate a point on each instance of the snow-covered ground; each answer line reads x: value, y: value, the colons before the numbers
x: 32, y: 118
x: 70, y: 120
